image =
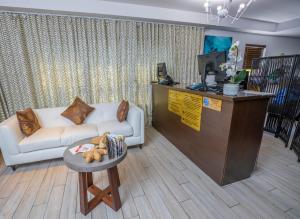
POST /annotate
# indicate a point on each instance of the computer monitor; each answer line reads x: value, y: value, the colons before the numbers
x: 211, y: 63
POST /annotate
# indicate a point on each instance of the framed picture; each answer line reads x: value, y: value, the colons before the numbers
x: 217, y: 44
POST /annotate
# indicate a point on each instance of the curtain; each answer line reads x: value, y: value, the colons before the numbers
x: 47, y: 60
x: 3, y: 106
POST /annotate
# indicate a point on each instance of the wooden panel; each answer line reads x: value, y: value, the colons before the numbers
x: 238, y: 127
x: 245, y: 139
x: 206, y: 148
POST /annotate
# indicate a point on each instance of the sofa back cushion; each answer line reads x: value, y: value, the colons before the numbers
x: 51, y: 117
x: 103, y: 112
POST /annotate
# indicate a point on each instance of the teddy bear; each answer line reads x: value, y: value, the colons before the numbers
x: 99, y: 149
x: 94, y: 154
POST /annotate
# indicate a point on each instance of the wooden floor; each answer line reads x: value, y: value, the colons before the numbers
x: 158, y: 182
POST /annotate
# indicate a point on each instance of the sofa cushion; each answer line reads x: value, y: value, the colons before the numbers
x: 122, y: 111
x: 28, y: 121
x: 75, y: 133
x: 43, y: 138
x: 115, y: 127
x: 78, y: 111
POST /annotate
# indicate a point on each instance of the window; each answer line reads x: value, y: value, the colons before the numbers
x: 252, y: 52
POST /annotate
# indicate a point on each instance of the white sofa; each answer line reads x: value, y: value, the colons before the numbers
x: 57, y: 132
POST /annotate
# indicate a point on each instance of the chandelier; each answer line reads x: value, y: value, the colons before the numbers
x: 222, y: 10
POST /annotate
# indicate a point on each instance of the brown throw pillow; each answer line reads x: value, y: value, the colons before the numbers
x: 78, y: 111
x: 123, y: 111
x: 28, y: 121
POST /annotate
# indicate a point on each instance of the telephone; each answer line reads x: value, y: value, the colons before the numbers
x: 162, y: 76
x: 166, y: 80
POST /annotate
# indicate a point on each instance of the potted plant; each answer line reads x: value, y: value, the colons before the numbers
x: 231, y: 67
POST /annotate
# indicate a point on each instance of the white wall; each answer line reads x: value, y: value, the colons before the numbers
x: 275, y: 45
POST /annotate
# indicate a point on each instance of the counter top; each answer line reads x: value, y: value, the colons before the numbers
x: 240, y: 97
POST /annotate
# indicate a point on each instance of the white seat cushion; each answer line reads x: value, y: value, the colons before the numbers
x: 43, y: 138
x: 75, y: 133
x: 115, y: 127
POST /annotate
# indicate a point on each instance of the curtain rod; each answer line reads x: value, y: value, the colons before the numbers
x: 98, y: 16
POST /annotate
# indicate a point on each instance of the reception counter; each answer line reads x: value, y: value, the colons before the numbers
x: 224, y: 141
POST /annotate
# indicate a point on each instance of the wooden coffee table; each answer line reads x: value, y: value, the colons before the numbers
x: 109, y: 195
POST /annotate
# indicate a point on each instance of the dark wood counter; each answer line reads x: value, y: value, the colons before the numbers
x: 227, y: 145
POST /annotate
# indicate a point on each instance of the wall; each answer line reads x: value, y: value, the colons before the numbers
x: 275, y: 45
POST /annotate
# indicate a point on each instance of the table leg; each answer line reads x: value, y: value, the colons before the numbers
x: 114, y: 182
x: 89, y: 179
x: 83, y: 188
x: 117, y: 176
x: 110, y: 195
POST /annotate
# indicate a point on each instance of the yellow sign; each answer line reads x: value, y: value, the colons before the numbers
x: 175, y: 102
x: 213, y: 104
x: 191, y: 110
x: 186, y: 105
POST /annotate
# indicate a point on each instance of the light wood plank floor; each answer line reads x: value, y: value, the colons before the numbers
x: 158, y: 182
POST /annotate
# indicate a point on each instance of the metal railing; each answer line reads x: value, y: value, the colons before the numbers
x: 280, y: 76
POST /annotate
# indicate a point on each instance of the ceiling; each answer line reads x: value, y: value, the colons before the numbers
x: 265, y: 10
x: 267, y: 17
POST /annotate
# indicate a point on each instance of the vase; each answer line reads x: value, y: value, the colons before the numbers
x: 231, y: 89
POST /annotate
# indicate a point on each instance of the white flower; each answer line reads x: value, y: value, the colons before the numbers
x: 230, y: 72
x: 222, y: 66
x: 233, y: 59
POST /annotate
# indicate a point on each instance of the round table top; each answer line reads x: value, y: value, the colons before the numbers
x: 77, y: 162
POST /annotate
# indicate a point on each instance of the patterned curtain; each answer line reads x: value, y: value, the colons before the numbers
x: 47, y: 60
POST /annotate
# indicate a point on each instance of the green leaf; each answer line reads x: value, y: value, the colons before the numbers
x: 240, y: 77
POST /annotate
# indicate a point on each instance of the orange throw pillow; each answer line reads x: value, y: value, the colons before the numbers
x: 78, y: 111
x: 123, y: 111
x: 28, y: 121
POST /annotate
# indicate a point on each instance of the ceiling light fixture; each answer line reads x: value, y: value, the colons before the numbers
x: 223, y: 10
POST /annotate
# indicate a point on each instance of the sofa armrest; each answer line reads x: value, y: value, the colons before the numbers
x: 135, y: 118
x: 10, y: 135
